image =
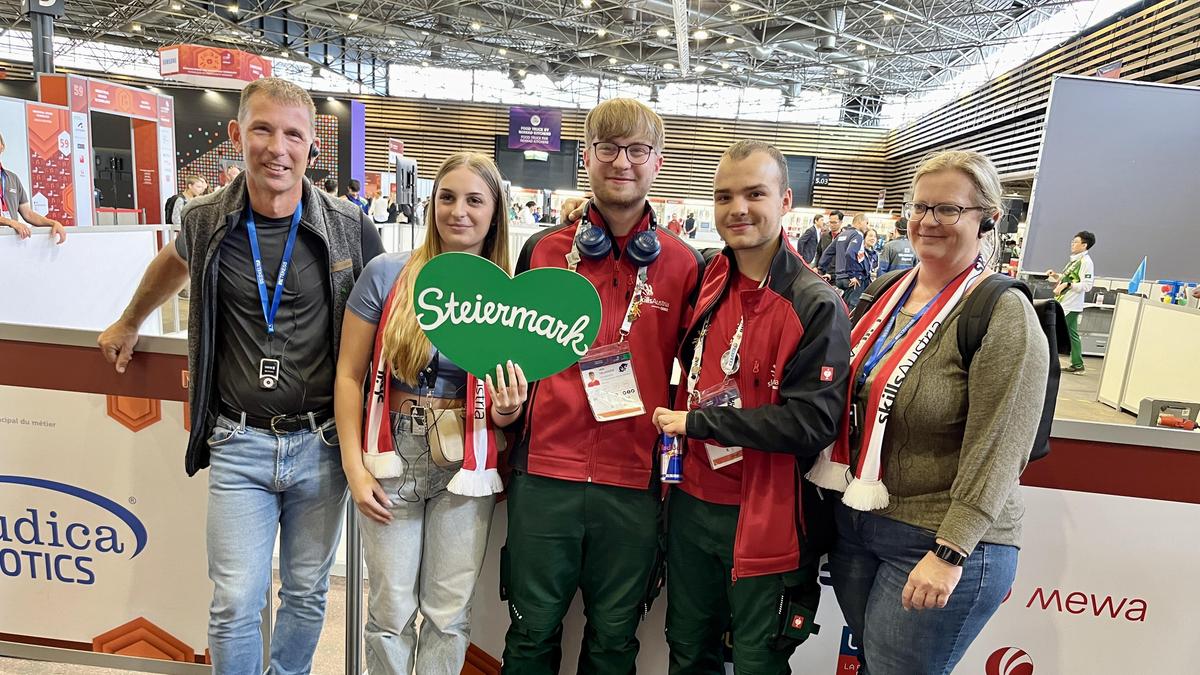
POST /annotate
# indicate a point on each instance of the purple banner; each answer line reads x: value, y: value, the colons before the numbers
x: 534, y: 129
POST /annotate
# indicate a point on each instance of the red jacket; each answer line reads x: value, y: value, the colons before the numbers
x: 795, y: 360
x: 560, y: 438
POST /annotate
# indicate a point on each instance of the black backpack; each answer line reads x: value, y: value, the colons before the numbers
x: 169, y: 209
x: 972, y: 326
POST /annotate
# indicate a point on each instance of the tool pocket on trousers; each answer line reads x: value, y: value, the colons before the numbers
x: 797, y: 610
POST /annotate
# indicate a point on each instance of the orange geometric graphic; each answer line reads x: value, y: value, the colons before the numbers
x: 142, y: 638
x: 134, y: 413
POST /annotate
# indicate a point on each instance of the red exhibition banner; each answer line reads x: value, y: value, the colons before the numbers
x: 211, y: 66
x: 122, y: 100
x: 51, y: 183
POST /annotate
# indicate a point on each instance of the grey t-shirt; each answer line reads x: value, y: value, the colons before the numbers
x: 302, y: 342
x: 366, y: 301
x: 14, y: 194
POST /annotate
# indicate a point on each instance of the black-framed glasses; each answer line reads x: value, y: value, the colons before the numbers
x: 636, y: 153
x: 943, y: 214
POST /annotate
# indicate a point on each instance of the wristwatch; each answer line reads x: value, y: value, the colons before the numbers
x: 949, y: 555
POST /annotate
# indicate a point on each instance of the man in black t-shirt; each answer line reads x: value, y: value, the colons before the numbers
x: 271, y: 260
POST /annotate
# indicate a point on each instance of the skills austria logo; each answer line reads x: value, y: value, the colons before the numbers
x: 63, y: 531
x: 1009, y: 661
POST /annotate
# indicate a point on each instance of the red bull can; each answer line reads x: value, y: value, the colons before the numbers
x: 671, y: 460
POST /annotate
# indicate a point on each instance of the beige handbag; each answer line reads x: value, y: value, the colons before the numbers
x: 446, y: 437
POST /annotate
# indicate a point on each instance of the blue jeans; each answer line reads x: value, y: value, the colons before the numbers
x: 870, y: 564
x: 260, y: 483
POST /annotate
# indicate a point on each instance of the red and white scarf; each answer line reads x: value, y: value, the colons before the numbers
x: 865, y: 491
x: 478, y: 476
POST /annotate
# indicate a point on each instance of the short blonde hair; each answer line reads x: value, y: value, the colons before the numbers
x: 976, y: 167
x: 280, y: 91
x: 743, y: 149
x: 624, y: 118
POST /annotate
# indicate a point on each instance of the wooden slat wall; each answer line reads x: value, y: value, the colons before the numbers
x: 432, y: 130
x: 1005, y: 118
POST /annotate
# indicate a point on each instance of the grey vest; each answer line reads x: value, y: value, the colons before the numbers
x: 206, y: 220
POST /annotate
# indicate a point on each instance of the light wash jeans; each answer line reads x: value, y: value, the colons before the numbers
x: 260, y: 482
x: 870, y: 564
x: 427, y: 560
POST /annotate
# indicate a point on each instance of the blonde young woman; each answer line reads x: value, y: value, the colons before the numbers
x: 424, y: 535
x: 929, y: 460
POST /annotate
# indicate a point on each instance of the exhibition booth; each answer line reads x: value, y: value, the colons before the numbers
x: 96, y: 511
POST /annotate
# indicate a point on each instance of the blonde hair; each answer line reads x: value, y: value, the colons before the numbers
x: 405, y: 347
x: 977, y: 168
x: 280, y: 91
x: 624, y: 118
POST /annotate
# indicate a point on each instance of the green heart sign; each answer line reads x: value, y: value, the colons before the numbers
x: 474, y: 313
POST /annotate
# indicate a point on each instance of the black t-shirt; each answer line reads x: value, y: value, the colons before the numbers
x: 303, y: 340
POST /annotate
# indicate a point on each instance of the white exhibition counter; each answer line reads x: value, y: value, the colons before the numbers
x: 1105, y: 585
x: 1151, y: 354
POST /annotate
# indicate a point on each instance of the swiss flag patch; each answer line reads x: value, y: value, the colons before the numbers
x: 797, y: 621
x: 827, y: 374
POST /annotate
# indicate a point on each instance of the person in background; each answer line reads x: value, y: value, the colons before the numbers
x: 525, y: 215
x: 353, y: 196
x: 424, y: 526
x: 379, y: 208
x: 583, y: 502
x: 674, y: 224
x: 898, y: 254
x: 807, y: 243
x: 194, y: 186
x: 742, y: 544
x: 846, y: 267
x: 330, y: 187
x: 870, y: 256
x: 262, y: 375
x: 830, y: 232
x: 930, y: 455
x: 1073, y: 283
x: 689, y: 226
x: 14, y: 206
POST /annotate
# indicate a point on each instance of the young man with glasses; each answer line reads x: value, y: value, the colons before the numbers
x: 583, y: 505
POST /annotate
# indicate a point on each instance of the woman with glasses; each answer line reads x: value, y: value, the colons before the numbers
x: 929, y: 460
x: 424, y: 535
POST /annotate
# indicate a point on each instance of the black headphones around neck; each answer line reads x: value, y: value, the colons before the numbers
x: 596, y: 242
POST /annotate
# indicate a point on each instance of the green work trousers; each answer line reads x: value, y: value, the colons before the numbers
x: 563, y: 536
x: 1076, y: 344
x: 703, y: 603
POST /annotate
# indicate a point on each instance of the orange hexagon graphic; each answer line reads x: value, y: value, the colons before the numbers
x: 208, y: 59
x: 134, y: 413
x: 142, y: 638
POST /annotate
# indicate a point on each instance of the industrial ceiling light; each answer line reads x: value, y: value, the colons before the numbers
x: 137, y: 27
x: 724, y: 66
x: 424, y: 64
x: 176, y: 6
x: 522, y: 72
x: 475, y: 25
x: 233, y: 8
x: 861, y: 47
x: 352, y: 16
x: 700, y: 68
x: 729, y: 40
x: 669, y: 66
x: 700, y: 34
x: 621, y: 78
x: 824, y: 92
x: 612, y: 60
x: 734, y: 7
x: 503, y: 51
x: 601, y: 31
x: 425, y: 33
x: 888, y: 16
x: 663, y: 32
x: 586, y: 3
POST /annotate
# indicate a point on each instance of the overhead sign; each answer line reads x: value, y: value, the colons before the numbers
x: 543, y: 320
x: 48, y: 7
x: 211, y: 66
x: 820, y: 178
x: 115, y: 98
x: 534, y: 129
x: 395, y: 150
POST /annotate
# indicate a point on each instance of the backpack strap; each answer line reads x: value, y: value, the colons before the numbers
x: 872, y: 292
x: 977, y: 312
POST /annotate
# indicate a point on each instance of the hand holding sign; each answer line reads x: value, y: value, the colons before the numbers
x: 544, y: 320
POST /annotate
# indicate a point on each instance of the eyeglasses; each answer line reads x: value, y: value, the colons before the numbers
x: 943, y: 214
x: 636, y: 153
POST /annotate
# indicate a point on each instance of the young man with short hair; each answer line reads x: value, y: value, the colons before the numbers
x: 898, y: 254
x: 194, y: 186
x: 583, y: 506
x: 352, y: 195
x: 271, y: 262
x: 1073, y: 283
x: 765, y: 357
x: 825, y: 250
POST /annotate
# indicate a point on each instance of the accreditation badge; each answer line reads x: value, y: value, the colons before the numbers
x: 723, y: 395
x: 609, y: 382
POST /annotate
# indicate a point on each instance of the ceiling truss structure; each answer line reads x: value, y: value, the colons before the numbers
x: 865, y: 50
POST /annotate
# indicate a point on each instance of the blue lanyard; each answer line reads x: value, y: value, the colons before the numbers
x: 269, y: 314
x: 881, y: 349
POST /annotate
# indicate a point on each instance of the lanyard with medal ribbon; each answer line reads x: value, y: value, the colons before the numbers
x: 731, y: 360
x: 268, y: 368
x: 4, y: 194
x: 641, y: 287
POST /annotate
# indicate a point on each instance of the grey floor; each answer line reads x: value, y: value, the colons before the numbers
x: 330, y: 659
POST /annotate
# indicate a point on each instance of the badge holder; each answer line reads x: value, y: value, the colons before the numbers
x: 610, y: 384
x: 723, y: 395
x: 268, y: 374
